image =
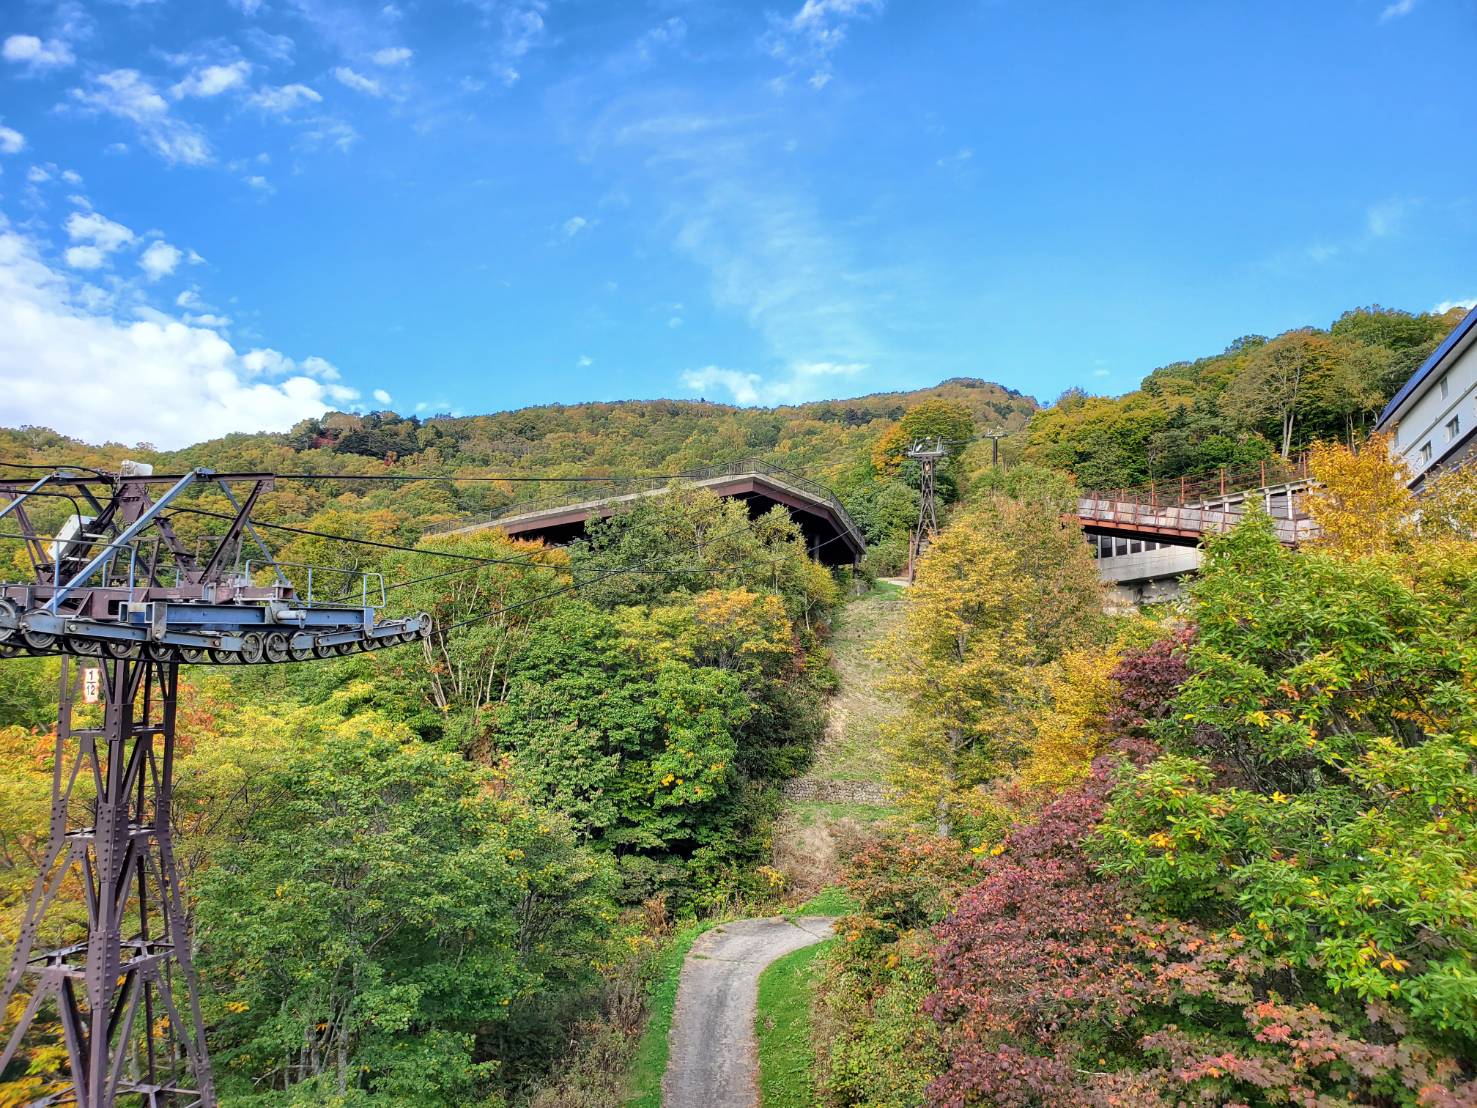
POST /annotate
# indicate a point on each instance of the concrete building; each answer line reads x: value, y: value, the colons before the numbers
x: 1433, y: 418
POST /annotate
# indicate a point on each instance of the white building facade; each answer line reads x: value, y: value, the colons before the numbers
x: 1433, y: 418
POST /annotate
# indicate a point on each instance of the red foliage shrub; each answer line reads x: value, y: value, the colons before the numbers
x: 1053, y: 988
x: 1148, y: 681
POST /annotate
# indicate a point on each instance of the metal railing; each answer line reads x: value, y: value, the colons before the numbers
x: 1187, y: 491
x: 1185, y: 520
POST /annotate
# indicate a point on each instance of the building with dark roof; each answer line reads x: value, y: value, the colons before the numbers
x: 1433, y: 418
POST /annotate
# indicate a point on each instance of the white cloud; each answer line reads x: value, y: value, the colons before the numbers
x: 356, y: 81
x: 1447, y: 305
x: 381, y: 396
x: 85, y: 257
x: 126, y: 94
x: 11, y: 140
x: 806, y: 40
x: 585, y: 361
x: 575, y: 224
x: 284, y: 98
x: 1396, y: 10
x: 33, y: 52
x: 88, y: 373
x: 803, y: 381
x: 212, y: 80
x: 71, y: 177
x: 392, y: 55
x: 159, y: 260
x: 248, y: 7
x: 99, y: 230
x: 260, y: 184
x: 37, y: 175
x: 956, y: 159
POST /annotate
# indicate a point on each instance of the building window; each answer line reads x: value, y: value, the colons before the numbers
x: 1445, y: 387
x: 1453, y: 427
x: 1426, y: 454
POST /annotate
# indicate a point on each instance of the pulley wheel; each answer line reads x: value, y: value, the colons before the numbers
x: 299, y: 653
x: 159, y: 652
x: 224, y: 657
x: 38, y: 640
x: 276, y: 648
x: 9, y: 621
x: 88, y: 648
x: 251, y: 647
x: 192, y: 654
x: 121, y: 649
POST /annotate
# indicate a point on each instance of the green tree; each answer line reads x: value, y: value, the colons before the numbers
x: 378, y: 919
x: 1275, y: 386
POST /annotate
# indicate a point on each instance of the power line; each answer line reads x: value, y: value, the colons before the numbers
x: 512, y: 478
x: 369, y: 542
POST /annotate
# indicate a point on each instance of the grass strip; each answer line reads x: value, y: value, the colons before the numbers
x: 786, y: 1059
x: 650, y: 1063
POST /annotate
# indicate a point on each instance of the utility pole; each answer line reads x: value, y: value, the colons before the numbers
x: 927, y: 455
x: 994, y: 436
x: 124, y: 602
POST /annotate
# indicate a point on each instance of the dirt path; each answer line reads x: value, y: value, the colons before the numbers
x: 713, y: 1055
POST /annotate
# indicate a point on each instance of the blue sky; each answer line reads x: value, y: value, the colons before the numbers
x: 227, y: 214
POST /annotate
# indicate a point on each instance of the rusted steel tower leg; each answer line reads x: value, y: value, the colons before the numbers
x: 114, y: 991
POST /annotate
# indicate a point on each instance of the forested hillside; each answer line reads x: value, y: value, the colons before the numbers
x: 1220, y: 852
x: 1260, y: 398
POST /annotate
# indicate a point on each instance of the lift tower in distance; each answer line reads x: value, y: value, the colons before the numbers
x: 124, y: 600
x: 926, y: 454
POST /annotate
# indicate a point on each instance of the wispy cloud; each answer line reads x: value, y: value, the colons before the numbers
x: 957, y: 159
x: 806, y: 40
x: 357, y: 81
x: 284, y: 99
x: 798, y: 383
x: 11, y: 140
x: 574, y: 225
x: 392, y: 55
x: 126, y: 94
x: 1447, y: 305
x: 1388, y: 217
x: 1397, y: 9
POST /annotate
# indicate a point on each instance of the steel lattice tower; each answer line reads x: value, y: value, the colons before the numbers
x: 124, y: 602
x: 927, y: 456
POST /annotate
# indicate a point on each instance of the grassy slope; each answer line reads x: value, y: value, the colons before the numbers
x: 783, y: 1028
x: 850, y: 750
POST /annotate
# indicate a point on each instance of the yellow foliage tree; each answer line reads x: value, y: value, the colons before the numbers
x: 1070, y: 724
x: 957, y: 662
x: 1362, y: 502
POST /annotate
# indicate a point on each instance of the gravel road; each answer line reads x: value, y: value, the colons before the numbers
x: 712, y: 1061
